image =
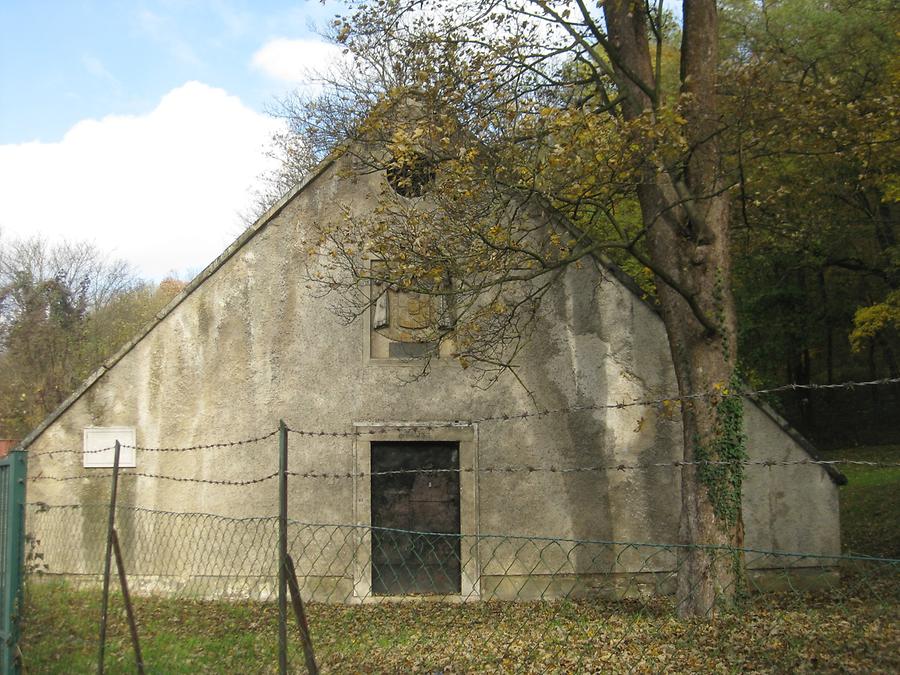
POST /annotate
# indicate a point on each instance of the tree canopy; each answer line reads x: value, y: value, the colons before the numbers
x: 807, y: 131
x: 812, y: 89
x: 64, y: 309
x: 526, y: 114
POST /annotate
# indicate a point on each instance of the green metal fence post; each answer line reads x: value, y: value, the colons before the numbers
x: 15, y: 466
x: 282, y: 546
x: 108, y: 561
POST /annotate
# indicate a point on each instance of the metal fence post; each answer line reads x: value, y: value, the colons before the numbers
x: 300, y: 614
x: 12, y: 556
x: 282, y: 546
x: 129, y: 608
x: 108, y: 561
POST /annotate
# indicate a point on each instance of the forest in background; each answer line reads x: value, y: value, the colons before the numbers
x: 64, y: 309
x: 815, y: 247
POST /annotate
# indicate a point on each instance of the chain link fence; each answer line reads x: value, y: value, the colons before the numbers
x: 485, y: 602
x: 394, y: 599
x: 206, y: 556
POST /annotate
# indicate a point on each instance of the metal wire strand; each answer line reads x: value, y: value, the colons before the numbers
x: 505, y: 417
x: 142, y: 448
x: 140, y: 474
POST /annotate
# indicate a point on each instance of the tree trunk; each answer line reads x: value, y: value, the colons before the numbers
x: 712, y: 429
x: 827, y: 325
x: 711, y: 502
x: 686, y: 213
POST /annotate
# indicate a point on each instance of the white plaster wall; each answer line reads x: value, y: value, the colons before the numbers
x: 252, y: 345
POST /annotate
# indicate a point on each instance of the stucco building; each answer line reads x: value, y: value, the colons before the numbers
x: 247, y: 343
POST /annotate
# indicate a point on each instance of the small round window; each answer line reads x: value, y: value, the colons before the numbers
x: 410, y: 177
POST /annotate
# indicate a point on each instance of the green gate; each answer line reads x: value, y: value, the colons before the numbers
x: 12, y: 544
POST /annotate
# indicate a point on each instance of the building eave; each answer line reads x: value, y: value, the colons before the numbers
x: 245, y: 237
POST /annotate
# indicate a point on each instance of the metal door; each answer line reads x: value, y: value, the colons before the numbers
x: 415, y: 518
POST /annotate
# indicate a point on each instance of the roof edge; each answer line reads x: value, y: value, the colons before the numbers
x: 836, y: 476
x: 226, y: 255
x: 626, y: 280
x: 631, y: 285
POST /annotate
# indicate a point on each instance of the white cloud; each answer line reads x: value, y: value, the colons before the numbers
x: 161, y: 190
x: 297, y: 62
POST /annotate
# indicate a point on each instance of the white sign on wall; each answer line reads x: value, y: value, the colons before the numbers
x: 99, y: 447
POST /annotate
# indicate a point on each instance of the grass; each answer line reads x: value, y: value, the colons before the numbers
x: 870, y: 502
x: 822, y: 633
x: 852, y: 628
x: 178, y: 636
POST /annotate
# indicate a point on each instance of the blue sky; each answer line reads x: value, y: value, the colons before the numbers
x: 141, y: 125
x: 64, y: 61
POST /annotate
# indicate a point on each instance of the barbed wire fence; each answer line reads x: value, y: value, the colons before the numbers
x: 544, y: 604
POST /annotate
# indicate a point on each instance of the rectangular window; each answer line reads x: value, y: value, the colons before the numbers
x: 407, y: 325
x: 99, y: 447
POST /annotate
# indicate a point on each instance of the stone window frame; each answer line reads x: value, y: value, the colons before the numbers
x: 365, y: 433
x: 127, y: 456
x: 445, y: 351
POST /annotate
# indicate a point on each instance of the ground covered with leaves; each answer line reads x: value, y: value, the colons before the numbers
x: 828, y: 631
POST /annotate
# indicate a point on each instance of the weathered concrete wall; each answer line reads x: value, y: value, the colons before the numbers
x: 790, y: 507
x: 252, y: 344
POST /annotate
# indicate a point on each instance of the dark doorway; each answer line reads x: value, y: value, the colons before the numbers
x: 423, y: 558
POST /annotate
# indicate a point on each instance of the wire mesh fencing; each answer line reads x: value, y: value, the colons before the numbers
x: 386, y: 599
x: 167, y: 553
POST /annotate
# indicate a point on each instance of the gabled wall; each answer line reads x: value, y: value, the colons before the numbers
x: 252, y: 344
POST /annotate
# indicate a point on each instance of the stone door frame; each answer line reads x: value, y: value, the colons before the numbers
x: 467, y: 437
